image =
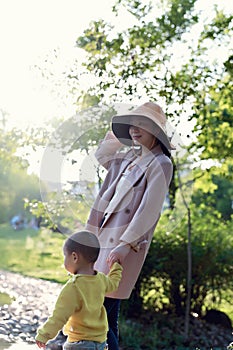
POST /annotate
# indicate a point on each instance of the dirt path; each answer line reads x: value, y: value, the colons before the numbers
x: 33, y: 301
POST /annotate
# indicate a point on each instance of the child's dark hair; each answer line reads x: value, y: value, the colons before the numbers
x: 84, y: 243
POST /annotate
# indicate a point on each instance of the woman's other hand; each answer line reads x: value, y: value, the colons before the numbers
x: 118, y: 254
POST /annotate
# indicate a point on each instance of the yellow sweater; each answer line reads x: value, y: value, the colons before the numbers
x: 79, y: 308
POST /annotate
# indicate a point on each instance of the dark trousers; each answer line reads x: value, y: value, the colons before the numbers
x: 112, y: 307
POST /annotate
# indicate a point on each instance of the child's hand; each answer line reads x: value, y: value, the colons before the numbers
x: 111, y: 261
x: 40, y: 344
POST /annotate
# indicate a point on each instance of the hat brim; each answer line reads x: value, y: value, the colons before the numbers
x: 120, y: 128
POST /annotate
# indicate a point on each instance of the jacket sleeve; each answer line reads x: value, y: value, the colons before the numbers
x: 64, y: 308
x: 158, y: 178
x: 113, y: 278
x: 106, y: 151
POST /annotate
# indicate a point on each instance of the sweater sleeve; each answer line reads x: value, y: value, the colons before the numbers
x: 106, y: 151
x: 65, y: 306
x: 113, y: 278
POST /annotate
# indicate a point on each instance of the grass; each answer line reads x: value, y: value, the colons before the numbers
x: 32, y: 253
x: 39, y: 254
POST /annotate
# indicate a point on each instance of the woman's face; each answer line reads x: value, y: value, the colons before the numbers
x: 140, y: 132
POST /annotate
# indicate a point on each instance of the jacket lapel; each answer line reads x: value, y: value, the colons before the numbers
x: 131, y: 179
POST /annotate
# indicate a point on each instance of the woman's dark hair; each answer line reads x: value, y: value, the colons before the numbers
x: 164, y: 149
x: 84, y: 243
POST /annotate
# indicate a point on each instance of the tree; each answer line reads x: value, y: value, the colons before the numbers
x: 141, y: 62
x: 212, y: 262
x: 15, y: 183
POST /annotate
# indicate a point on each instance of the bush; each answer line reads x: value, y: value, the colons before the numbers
x: 162, y: 283
x: 163, y: 332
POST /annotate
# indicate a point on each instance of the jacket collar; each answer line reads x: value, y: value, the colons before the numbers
x: 143, y: 161
x: 135, y: 174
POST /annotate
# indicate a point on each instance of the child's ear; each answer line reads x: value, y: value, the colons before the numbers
x: 75, y: 256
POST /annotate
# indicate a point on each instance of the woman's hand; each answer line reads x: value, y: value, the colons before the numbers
x: 112, y: 138
x: 118, y: 254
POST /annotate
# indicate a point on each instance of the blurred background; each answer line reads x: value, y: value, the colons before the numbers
x: 66, y: 68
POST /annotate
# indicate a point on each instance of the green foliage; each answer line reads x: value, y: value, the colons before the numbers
x: 76, y: 137
x: 15, y: 185
x: 220, y: 26
x: 214, y: 128
x: 39, y: 210
x: 220, y: 198
x: 229, y: 67
x: 82, y: 131
x: 136, y: 8
x: 10, y: 141
x: 64, y: 213
x: 139, y: 62
x: 124, y: 60
x: 32, y: 253
x: 39, y: 254
x: 5, y: 299
x: 163, y: 277
x: 164, y: 331
x: 177, y: 19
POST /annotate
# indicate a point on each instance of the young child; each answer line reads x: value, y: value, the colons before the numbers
x: 79, y: 307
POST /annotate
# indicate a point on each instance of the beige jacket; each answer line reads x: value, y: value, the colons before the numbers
x: 136, y: 211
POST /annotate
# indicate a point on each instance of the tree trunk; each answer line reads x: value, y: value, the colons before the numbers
x: 189, y: 277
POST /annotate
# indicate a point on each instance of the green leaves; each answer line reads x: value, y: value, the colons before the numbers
x: 221, y: 26
x: 133, y: 59
x: 174, y: 22
x: 212, y: 256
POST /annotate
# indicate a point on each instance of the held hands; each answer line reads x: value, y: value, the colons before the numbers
x: 118, y: 254
x: 40, y: 344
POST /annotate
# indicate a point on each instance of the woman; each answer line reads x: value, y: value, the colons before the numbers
x: 131, y: 198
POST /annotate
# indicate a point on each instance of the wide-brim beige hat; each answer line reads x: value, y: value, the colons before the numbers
x: 150, y: 110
